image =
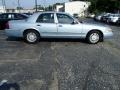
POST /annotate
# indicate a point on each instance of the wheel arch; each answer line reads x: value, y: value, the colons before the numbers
x: 98, y: 31
x: 24, y: 32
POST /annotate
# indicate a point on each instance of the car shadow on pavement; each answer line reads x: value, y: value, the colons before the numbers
x: 9, y: 86
x: 14, y: 39
x: 62, y: 40
x: 49, y: 40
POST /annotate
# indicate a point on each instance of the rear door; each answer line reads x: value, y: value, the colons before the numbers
x: 46, y: 24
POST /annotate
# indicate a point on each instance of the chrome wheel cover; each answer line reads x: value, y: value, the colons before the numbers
x: 31, y: 37
x: 94, y: 37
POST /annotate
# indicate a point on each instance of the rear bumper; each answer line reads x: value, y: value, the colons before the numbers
x: 13, y: 33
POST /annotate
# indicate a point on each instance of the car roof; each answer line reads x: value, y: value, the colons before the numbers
x: 35, y: 15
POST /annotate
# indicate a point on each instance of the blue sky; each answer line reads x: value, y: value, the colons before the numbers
x: 29, y: 3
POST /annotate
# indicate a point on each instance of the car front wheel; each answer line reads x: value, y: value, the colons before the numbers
x: 94, y: 37
x: 118, y: 22
x: 32, y: 37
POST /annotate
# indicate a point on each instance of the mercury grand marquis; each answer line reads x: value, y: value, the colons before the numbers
x: 56, y: 25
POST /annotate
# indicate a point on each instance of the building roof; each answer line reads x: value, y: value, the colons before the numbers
x: 78, y: 2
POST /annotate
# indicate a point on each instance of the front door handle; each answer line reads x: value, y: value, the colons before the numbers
x: 60, y: 25
x: 38, y: 25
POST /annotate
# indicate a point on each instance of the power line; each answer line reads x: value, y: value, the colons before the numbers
x: 4, y: 5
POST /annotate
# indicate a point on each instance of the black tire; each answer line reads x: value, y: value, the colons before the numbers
x: 99, y: 37
x: 118, y: 22
x: 28, y: 39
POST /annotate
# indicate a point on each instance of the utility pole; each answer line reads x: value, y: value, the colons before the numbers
x: 19, y: 6
x: 44, y: 4
x: 36, y: 4
x: 4, y: 5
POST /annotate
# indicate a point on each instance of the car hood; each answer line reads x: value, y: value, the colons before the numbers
x: 98, y: 26
x: 94, y: 24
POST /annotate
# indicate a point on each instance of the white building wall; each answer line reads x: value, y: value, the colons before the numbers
x: 2, y: 9
x: 76, y: 7
x: 14, y: 10
x: 58, y: 8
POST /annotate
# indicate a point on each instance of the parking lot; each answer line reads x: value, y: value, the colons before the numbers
x: 61, y: 64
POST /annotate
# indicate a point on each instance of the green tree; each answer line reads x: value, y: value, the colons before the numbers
x: 98, y: 6
x: 39, y: 7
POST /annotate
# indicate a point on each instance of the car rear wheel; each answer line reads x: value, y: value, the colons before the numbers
x: 94, y: 37
x: 32, y: 37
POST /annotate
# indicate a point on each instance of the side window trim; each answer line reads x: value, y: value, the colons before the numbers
x: 19, y: 16
x: 56, y: 18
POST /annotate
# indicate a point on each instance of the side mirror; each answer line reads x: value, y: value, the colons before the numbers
x: 74, y: 22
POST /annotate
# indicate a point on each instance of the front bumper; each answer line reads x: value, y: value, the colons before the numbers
x: 108, y: 35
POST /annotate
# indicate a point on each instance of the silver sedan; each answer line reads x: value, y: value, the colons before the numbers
x: 56, y: 25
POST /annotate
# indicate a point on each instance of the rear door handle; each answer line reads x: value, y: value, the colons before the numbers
x: 38, y: 25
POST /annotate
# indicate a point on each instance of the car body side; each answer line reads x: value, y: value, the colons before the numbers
x: 17, y: 28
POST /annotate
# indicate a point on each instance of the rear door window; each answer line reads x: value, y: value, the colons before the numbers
x: 17, y: 16
x: 46, y: 18
x: 20, y: 16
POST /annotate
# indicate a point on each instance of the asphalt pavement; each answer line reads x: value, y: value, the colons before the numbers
x: 61, y: 64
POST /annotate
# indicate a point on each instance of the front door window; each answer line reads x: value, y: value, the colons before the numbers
x: 64, y: 19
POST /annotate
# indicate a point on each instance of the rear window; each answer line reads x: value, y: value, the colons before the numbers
x: 20, y: 16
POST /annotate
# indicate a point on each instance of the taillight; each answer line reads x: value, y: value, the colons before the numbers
x: 7, y: 25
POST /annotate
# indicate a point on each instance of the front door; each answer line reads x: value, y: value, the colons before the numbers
x: 67, y: 27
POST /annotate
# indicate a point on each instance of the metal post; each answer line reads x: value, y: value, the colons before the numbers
x: 5, y: 5
x: 36, y: 5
